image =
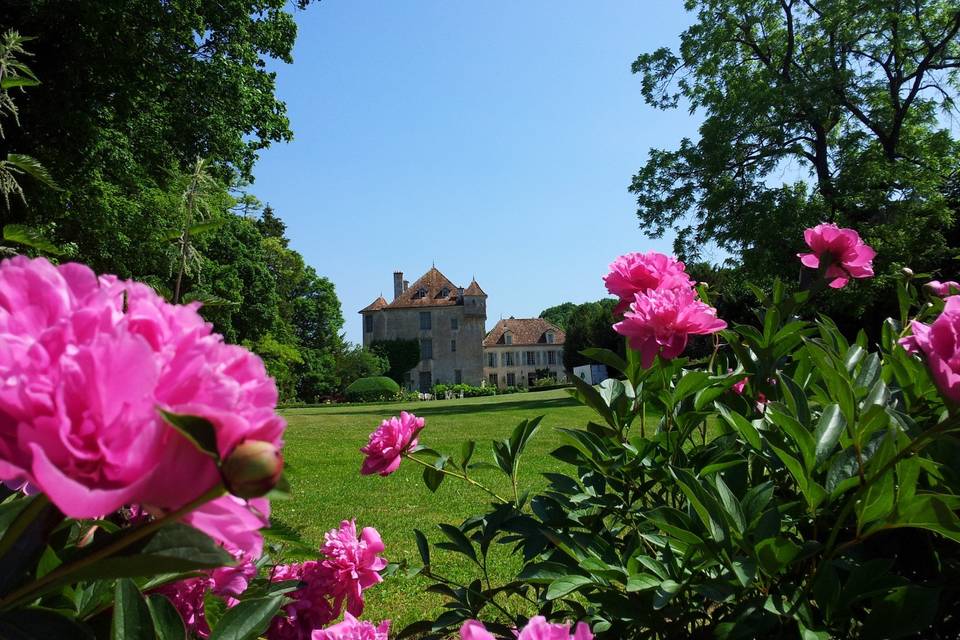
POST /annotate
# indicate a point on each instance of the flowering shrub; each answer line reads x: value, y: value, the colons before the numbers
x: 138, y: 452
x: 796, y: 482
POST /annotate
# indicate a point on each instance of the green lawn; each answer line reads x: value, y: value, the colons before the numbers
x: 323, y: 466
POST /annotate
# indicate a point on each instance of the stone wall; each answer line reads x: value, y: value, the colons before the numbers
x: 404, y: 323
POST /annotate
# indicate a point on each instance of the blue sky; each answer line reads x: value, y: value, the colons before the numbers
x: 494, y: 139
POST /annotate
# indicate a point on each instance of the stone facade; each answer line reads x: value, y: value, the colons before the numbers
x: 516, y: 351
x: 447, y: 320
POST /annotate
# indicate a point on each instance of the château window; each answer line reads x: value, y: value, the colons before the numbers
x: 426, y: 349
x: 507, y: 338
x: 421, y: 292
x: 453, y: 346
x: 368, y: 323
x: 457, y: 376
x: 454, y: 324
x: 551, y: 357
x: 531, y: 358
x: 425, y: 321
x: 493, y: 379
x: 444, y: 293
x: 491, y: 359
x: 511, y: 379
x: 508, y: 359
x: 549, y: 337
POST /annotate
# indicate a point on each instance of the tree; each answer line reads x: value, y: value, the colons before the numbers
x: 590, y: 325
x: 271, y: 226
x: 845, y: 94
x: 402, y: 355
x: 355, y: 362
x: 132, y: 90
x: 559, y: 314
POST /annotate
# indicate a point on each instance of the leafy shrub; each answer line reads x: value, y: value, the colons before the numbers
x: 468, y: 391
x: 372, y: 389
x: 817, y: 499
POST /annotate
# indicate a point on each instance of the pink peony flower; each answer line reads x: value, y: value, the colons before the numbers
x: 943, y: 289
x: 939, y: 342
x: 353, y: 563
x: 353, y: 629
x: 187, y: 597
x: 84, y: 364
x: 349, y: 567
x: 660, y: 321
x: 233, y: 522
x: 845, y: 253
x: 231, y: 582
x: 638, y: 272
x: 392, y: 439
x: 537, y: 629
x: 310, y: 607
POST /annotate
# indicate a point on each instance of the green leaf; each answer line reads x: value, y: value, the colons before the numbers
x: 775, y: 554
x: 172, y: 549
x: 904, y: 611
x: 459, y: 541
x: 28, y: 237
x: 927, y: 511
x: 423, y: 547
x: 466, y: 452
x: 248, y: 620
x: 706, y: 506
x: 741, y: 425
x: 797, y: 433
x: 567, y: 584
x: 199, y: 431
x: 41, y: 624
x: 12, y: 82
x: 607, y: 357
x: 642, y: 582
x: 166, y: 620
x: 828, y: 432
x: 32, y: 167
x: 589, y: 396
x: 690, y: 383
x: 878, y: 500
x: 203, y: 227
x: 131, y: 616
x: 433, y: 478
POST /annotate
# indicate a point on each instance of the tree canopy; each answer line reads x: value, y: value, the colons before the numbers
x: 813, y: 111
x: 150, y: 116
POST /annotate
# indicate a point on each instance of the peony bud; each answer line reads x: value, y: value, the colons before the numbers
x: 252, y: 469
x: 907, y: 272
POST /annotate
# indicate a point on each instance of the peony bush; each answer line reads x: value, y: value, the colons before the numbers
x: 795, y: 483
x: 139, y: 453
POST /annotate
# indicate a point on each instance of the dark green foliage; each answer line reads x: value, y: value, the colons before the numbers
x: 403, y: 355
x: 589, y: 325
x: 354, y: 362
x: 271, y: 226
x: 372, y: 389
x: 559, y: 314
x: 687, y: 510
x: 468, y: 390
x: 812, y: 112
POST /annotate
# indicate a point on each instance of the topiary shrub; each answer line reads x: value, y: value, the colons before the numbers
x: 372, y: 389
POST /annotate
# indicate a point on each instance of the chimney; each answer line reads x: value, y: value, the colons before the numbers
x: 397, y: 284
x: 406, y: 283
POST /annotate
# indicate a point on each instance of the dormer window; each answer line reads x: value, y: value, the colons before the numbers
x: 549, y: 337
x: 445, y: 293
x: 507, y: 338
x: 420, y: 293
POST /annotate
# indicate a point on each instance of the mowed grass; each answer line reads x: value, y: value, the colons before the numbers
x: 324, y: 462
